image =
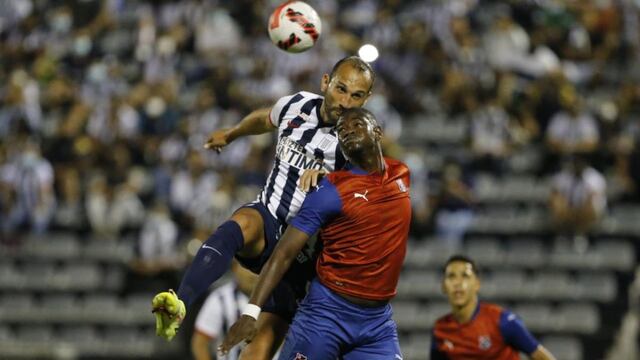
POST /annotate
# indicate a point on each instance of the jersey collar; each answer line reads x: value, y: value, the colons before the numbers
x: 354, y: 169
x: 359, y: 171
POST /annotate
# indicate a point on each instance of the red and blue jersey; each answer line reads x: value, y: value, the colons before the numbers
x: 493, y: 333
x: 365, y: 221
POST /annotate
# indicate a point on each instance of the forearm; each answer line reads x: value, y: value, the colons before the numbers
x: 288, y: 247
x: 271, y: 274
x: 257, y: 122
x: 200, y: 347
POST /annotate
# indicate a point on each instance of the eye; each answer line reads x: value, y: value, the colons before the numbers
x: 342, y: 89
x: 357, y: 96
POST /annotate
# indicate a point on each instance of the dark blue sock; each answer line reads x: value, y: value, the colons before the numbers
x: 211, y: 262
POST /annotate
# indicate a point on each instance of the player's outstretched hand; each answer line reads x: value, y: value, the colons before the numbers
x: 169, y: 312
x: 217, y: 140
x: 310, y: 178
x: 243, y: 329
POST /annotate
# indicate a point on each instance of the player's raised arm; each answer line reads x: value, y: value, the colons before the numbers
x: 285, y: 252
x: 257, y: 122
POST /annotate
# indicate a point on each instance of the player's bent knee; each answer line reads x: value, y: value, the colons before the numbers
x: 252, y: 227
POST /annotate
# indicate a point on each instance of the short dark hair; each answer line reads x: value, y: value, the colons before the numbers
x: 461, y: 258
x: 357, y: 63
x: 361, y: 112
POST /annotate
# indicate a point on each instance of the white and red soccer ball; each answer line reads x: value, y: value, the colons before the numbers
x: 294, y: 26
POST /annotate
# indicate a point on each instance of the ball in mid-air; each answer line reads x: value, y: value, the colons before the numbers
x: 294, y: 26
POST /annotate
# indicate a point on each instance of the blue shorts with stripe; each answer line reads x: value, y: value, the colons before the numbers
x: 328, y: 326
x: 292, y: 289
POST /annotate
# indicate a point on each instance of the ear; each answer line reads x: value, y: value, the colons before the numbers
x: 442, y: 288
x: 377, y: 132
x: 324, y: 84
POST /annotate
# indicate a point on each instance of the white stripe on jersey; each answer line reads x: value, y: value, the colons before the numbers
x: 221, y: 310
x: 304, y: 142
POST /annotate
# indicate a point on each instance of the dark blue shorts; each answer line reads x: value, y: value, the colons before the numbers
x: 328, y: 326
x: 292, y: 289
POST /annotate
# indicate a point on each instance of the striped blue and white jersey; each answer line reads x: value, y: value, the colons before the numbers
x: 305, y: 141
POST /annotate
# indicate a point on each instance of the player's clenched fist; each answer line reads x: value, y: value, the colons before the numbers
x: 217, y: 140
x: 169, y: 312
x: 243, y: 330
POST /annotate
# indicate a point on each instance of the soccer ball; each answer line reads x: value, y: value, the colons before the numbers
x: 294, y: 26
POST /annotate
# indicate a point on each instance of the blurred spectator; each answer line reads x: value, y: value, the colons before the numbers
x: 158, y: 239
x: 27, y: 181
x: 507, y: 46
x: 70, y: 214
x: 192, y: 188
x: 491, y: 134
x: 578, y: 199
x: 453, y: 202
x: 113, y: 209
x: 572, y: 130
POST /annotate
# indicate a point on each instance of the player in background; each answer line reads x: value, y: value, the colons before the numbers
x: 478, y: 330
x: 306, y: 140
x: 363, y: 213
x: 220, y: 310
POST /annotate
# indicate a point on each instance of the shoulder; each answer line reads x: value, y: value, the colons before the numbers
x: 491, y: 309
x: 443, y: 320
x: 397, y: 166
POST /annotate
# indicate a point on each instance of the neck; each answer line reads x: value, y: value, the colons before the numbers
x: 325, y: 116
x: 464, y: 313
x: 369, y: 163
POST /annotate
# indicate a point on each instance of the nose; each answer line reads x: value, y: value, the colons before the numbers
x: 344, y: 101
x: 345, y: 131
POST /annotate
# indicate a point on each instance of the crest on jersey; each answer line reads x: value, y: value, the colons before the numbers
x: 484, y: 342
x: 401, y: 185
x: 300, y: 357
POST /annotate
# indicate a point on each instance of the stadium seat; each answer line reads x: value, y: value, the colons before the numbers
x: 564, y: 347
x: 616, y: 254
x: 581, y: 318
x: 34, y: 333
x: 110, y: 250
x: 525, y: 252
x: 419, y: 284
x: 52, y: 246
x: 411, y: 316
x: 553, y: 286
x: 485, y: 251
x: 598, y: 286
x: 505, y: 285
x: 536, y: 316
x: 78, y: 334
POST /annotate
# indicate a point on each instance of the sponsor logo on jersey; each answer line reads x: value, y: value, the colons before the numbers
x: 484, y: 342
x: 294, y: 154
x: 401, y: 185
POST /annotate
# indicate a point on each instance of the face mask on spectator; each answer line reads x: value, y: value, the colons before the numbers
x: 82, y: 46
x: 61, y: 23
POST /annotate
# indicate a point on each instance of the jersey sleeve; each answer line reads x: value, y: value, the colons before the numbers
x: 434, y: 352
x: 279, y: 109
x: 319, y: 207
x: 516, y: 334
x: 210, y: 317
